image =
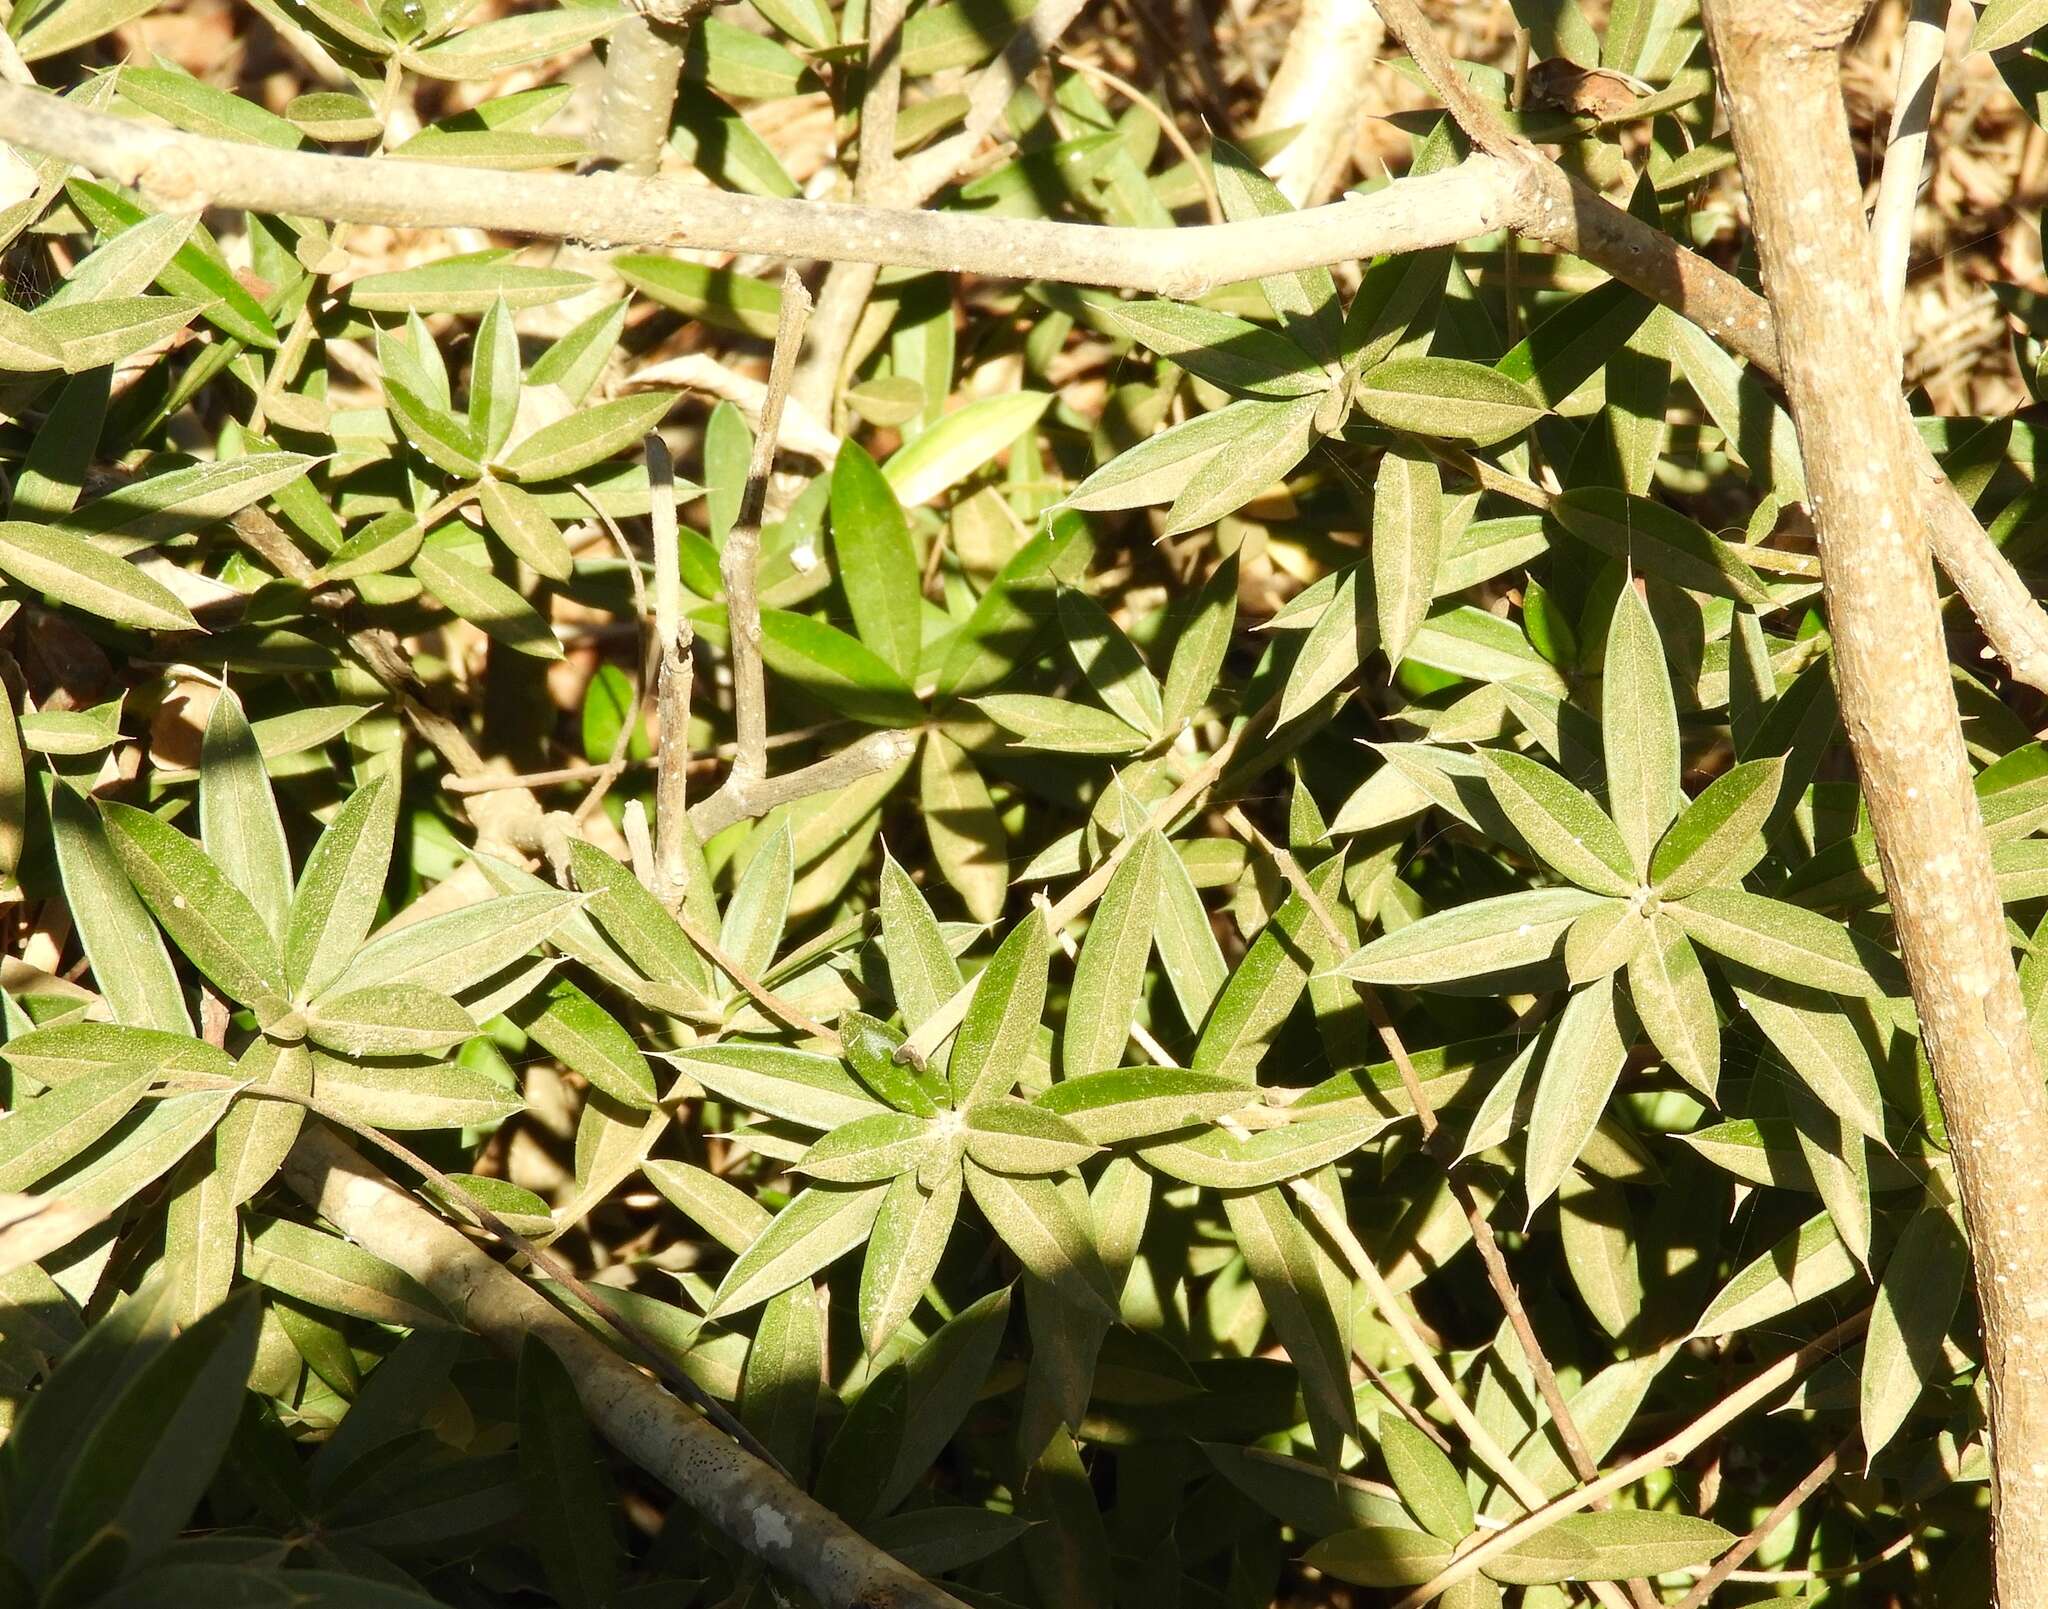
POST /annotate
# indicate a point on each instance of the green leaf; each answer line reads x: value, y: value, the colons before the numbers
x: 1470, y: 941
x: 159, y: 507
x: 1380, y: 1556
x: 1010, y: 1136
x: 1198, y: 651
x: 1720, y: 837
x: 635, y: 921
x: 909, y: 1239
x: 1001, y: 1025
x: 718, y: 296
x: 1131, y: 1103
x: 1428, y: 1482
x: 1658, y: 542
x: 821, y: 1225
x: 964, y: 826
x: 238, y: 820
x: 1563, y: 825
x: 489, y: 48
x: 388, y: 1019
x: 207, y: 917
x: 568, y: 1501
x: 1447, y: 397
x: 871, y: 1149
x: 76, y: 572
x: 1219, y: 1160
x: 1282, y: 1260
x: 40, y: 1136
x: 1639, y: 730
x: 197, y: 269
x: 759, y: 908
x: 148, y: 1459
x: 1627, y: 1542
x: 1540, y: 1559
x: 126, y: 263
x: 922, y: 972
x: 779, y: 1082
x: 1305, y: 302
x: 1034, y: 1221
x: 1060, y: 726
x: 836, y: 669
x: 1222, y: 349
x: 410, y: 1095
x: 1808, y: 1262
x: 1108, y: 662
x: 1265, y: 447
x: 589, y: 1040
x: 387, y: 543
x: 1343, y: 636
x: 875, y: 562
x: 1599, y: 1237
x: 25, y: 347
x: 1786, y: 941
x: 67, y: 1050
x: 1110, y: 974
x: 1668, y: 988
x: 327, y: 1272
x: 469, y: 285
x: 518, y: 519
x: 2007, y: 22
x: 485, y: 602
x: 1916, y: 1299
x: 1006, y: 622
x: 1579, y: 1073
x: 104, y: 331
x: 57, y: 29
x: 944, y: 454
x: 455, y: 950
x: 338, y: 891
x: 1188, y: 951
x: 587, y: 436
x: 1159, y: 467
x: 1407, y: 545
x: 494, y: 379
x: 129, y: 963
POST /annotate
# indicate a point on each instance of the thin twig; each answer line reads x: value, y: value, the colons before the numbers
x: 1490, y: 1545
x: 1212, y: 203
x: 1905, y: 152
x: 674, y: 640
x: 738, y: 563
x: 1731, y: 1561
x: 760, y: 993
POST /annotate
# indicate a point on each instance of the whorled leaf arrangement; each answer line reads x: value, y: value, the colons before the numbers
x: 1355, y: 1027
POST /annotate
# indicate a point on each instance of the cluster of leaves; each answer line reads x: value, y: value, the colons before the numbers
x: 1510, y: 643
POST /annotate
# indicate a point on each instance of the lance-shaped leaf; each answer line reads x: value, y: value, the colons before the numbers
x: 1380, y: 1556
x: 494, y: 379
x: 1808, y: 1262
x: 1603, y: 940
x: 964, y: 827
x: 1265, y: 448
x: 1343, y: 636
x: 95, y: 334
x: 458, y: 949
x: 1109, y: 663
x: 1625, y: 1542
x: 568, y: 1494
x: 586, y: 437
x: 412, y: 1095
x: 1721, y: 834
x: 1668, y: 988
x: 67, y: 1050
x: 328, y: 1272
x: 871, y: 1048
x: 1219, y: 1160
x: 238, y: 820
x: 1447, y: 397
x: 635, y: 921
x: 909, y: 1239
x: 758, y: 911
x: 472, y: 592
x: 1659, y: 542
x: 74, y: 571
x: 1222, y: 349
x: 1282, y: 1260
x: 1035, y: 1222
x: 1639, y: 730
x: 1916, y: 1299
x: 158, y: 507
x: 1429, y: 1483
x: 1305, y: 302
x: 1131, y: 1103
x: 519, y: 520
x: 206, y: 916
x: 250, y: 1144
x: 590, y: 1041
x: 726, y: 1213
x: 1407, y: 544
x: 779, y: 1082
x: 871, y: 1149
x: 443, y: 439
x: 1110, y: 973
x: 837, y: 669
x: 1198, y: 650
x: 1159, y: 467
x: 336, y: 899
x: 1059, y: 725
x: 1471, y: 941
x: 129, y: 962
x: 998, y: 1032
x: 1578, y: 1074
x: 41, y: 1135
x: 922, y: 972
x: 1786, y: 941
x: 1825, y: 1050
x: 467, y: 284
x: 821, y: 1225
x: 942, y: 455
x: 1563, y: 825
x: 1188, y: 951
x: 1011, y: 1136
x: 388, y: 1019
x: 876, y: 564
